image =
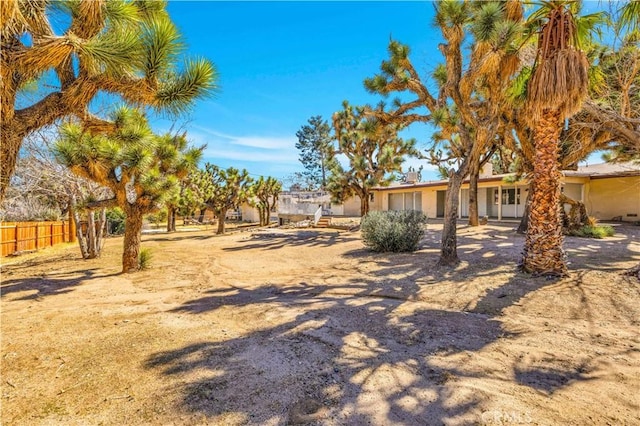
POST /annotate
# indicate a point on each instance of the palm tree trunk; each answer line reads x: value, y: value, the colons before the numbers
x: 132, y: 240
x: 543, y: 254
x: 449, y: 248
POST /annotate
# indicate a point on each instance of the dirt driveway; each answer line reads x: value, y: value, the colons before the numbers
x: 308, y: 327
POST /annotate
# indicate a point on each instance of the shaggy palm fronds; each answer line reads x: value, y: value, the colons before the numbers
x: 559, y: 82
x: 11, y: 17
x: 630, y: 14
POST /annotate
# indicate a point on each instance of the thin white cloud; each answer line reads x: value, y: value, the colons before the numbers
x: 264, y: 142
x: 252, y: 153
x: 250, y: 156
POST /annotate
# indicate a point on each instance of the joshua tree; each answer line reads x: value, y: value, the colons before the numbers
x: 374, y: 152
x: 471, y: 92
x: 42, y: 188
x: 121, y: 47
x: 225, y: 190
x: 266, y: 191
x: 141, y: 168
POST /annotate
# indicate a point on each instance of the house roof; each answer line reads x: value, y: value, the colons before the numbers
x: 629, y: 168
x: 593, y: 171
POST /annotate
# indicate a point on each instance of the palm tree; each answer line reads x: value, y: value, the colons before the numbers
x: 630, y: 14
x: 121, y: 47
x: 141, y: 168
x: 557, y: 87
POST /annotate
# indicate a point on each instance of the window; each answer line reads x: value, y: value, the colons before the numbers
x: 405, y: 201
x: 510, y: 196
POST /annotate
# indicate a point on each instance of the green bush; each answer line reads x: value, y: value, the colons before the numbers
x: 144, y: 258
x: 115, y: 221
x: 596, y: 231
x: 394, y: 231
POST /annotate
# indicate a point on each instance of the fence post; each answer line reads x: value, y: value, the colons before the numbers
x: 37, y: 234
x: 17, y: 228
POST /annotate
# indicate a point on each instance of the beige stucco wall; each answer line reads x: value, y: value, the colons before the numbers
x: 604, y: 198
x: 429, y: 202
x: 249, y: 214
x: 611, y: 197
x: 377, y: 203
x: 351, y: 206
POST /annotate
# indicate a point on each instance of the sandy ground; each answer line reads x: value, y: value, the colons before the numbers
x: 308, y: 327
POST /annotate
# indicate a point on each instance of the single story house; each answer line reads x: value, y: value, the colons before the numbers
x: 610, y: 191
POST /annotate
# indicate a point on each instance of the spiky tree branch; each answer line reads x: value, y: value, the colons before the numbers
x: 128, y: 48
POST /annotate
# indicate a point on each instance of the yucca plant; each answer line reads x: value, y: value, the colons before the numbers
x: 223, y: 190
x: 122, y: 47
x: 144, y: 259
x: 373, y: 149
x: 471, y: 91
x: 266, y: 193
x: 141, y: 168
x: 593, y: 231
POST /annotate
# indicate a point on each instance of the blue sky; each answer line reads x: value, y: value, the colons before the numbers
x: 281, y: 63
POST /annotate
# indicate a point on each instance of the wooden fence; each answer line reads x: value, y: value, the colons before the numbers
x: 26, y: 236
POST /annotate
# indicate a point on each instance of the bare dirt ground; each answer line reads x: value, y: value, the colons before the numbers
x: 308, y: 327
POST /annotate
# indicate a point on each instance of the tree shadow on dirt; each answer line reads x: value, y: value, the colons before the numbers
x: 350, y: 354
x: 551, y: 379
x: 347, y: 358
x: 168, y: 237
x: 274, y: 240
x: 49, y: 284
x: 361, y: 351
x: 593, y: 253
